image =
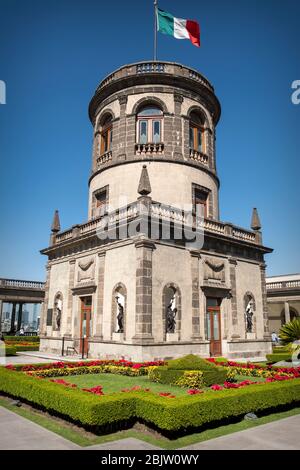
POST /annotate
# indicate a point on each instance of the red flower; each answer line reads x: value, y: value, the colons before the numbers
x: 166, y: 395
x: 194, y: 391
x: 216, y: 387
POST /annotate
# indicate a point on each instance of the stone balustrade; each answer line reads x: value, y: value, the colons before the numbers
x: 149, y: 149
x: 16, y: 283
x: 283, y: 285
x: 198, y: 156
x: 164, y: 212
x: 170, y: 68
x: 104, y: 158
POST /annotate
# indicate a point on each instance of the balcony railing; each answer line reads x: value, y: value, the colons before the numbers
x: 15, y: 283
x: 283, y: 285
x: 198, y: 156
x: 163, y: 212
x: 171, y: 68
x: 104, y: 158
x: 149, y: 149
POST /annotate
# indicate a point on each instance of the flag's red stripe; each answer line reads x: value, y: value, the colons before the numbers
x: 193, y: 29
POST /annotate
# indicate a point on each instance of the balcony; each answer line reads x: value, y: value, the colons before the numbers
x: 149, y: 149
x: 198, y: 156
x: 104, y: 158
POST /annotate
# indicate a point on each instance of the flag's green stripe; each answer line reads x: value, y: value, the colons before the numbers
x: 165, y: 22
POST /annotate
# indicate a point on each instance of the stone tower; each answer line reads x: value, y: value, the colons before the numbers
x: 154, y: 273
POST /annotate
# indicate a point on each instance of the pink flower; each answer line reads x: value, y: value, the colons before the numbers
x: 166, y: 395
x: 194, y: 391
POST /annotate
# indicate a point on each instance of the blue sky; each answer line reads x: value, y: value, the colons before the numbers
x: 53, y: 53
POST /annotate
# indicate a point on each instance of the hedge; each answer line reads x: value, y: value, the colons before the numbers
x: 9, y: 350
x: 63, y: 372
x: 30, y: 347
x: 169, y: 414
x: 29, y: 339
x: 164, y: 375
x: 279, y: 356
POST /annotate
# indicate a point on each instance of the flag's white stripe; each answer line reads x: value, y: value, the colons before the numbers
x: 180, y: 31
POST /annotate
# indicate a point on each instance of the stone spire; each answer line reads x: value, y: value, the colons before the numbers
x: 255, y: 222
x: 144, y: 185
x: 55, y: 227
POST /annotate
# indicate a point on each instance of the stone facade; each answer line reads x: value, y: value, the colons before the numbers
x: 113, y: 267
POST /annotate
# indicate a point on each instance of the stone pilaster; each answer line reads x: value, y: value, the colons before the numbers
x: 72, y: 263
x: 264, y: 299
x: 122, y: 128
x: 195, y: 256
x: 234, y: 314
x: 177, y: 128
x: 143, y: 317
x: 43, y: 321
x: 98, y: 313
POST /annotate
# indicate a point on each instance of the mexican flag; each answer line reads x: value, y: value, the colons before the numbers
x: 178, y: 27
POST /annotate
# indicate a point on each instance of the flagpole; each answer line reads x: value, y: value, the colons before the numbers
x: 155, y: 29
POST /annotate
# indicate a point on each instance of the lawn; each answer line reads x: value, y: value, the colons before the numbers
x: 115, y: 383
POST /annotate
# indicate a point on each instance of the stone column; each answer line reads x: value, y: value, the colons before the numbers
x: 195, y: 256
x: 264, y: 300
x: 43, y: 320
x: 122, y: 129
x: 13, y: 318
x: 287, y: 315
x: 143, y: 317
x: 72, y: 263
x: 234, y: 315
x: 98, y: 333
x: 20, y: 315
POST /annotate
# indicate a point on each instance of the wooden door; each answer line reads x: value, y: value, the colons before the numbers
x: 85, y: 323
x: 214, y: 330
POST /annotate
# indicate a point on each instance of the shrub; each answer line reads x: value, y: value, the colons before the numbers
x: 191, y: 378
x: 279, y: 356
x: 29, y: 339
x: 190, y: 362
x: 171, y: 373
x: 101, y: 369
x: 9, y: 350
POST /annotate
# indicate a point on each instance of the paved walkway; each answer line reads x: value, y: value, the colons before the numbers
x: 17, y: 432
x: 278, y: 435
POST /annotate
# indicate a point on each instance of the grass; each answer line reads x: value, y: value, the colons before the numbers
x: 84, y: 439
x: 115, y: 383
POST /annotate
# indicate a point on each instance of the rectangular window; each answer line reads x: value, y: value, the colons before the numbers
x: 143, y: 138
x: 156, y: 132
x: 191, y: 138
x: 100, y: 203
x: 200, y: 203
x: 199, y: 140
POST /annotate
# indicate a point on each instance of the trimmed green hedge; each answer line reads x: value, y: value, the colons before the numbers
x: 279, y: 356
x: 168, y: 414
x: 9, y: 350
x: 164, y: 375
x: 169, y: 374
x: 30, y: 347
x: 29, y: 339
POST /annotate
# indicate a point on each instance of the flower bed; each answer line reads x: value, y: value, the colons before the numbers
x: 254, y: 370
x: 169, y: 413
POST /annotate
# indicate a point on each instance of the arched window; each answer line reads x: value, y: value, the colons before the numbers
x: 197, y: 141
x: 149, y: 125
x: 106, y: 134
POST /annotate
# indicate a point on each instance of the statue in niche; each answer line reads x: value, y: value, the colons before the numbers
x: 170, y: 316
x: 58, y: 308
x: 249, y: 316
x: 120, y: 314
